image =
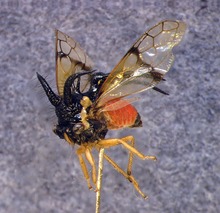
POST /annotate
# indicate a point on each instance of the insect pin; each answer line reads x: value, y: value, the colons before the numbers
x: 90, y: 103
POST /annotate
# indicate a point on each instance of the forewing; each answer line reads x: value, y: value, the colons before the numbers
x: 70, y: 59
x: 145, y: 64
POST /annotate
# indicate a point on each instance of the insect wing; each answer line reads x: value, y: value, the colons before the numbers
x: 70, y: 59
x: 145, y: 64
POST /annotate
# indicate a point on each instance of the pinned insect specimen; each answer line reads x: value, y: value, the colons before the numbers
x: 90, y: 103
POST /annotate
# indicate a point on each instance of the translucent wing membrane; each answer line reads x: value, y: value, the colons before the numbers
x: 70, y: 59
x: 145, y: 64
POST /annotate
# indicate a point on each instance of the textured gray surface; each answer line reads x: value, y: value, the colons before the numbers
x: 40, y: 173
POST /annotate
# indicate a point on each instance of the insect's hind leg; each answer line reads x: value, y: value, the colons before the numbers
x: 107, y: 143
x: 131, y: 148
x: 130, y: 139
x: 130, y: 158
x: 128, y: 177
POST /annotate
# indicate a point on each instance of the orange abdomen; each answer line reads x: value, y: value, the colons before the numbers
x: 121, y: 117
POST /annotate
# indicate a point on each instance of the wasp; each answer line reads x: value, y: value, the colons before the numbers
x: 89, y: 103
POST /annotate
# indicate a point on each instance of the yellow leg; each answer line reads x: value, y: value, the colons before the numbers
x: 113, y: 142
x: 131, y: 140
x: 66, y: 137
x: 128, y: 177
x: 80, y: 152
x: 91, y: 160
x: 128, y: 142
x: 130, y: 158
x: 106, y: 143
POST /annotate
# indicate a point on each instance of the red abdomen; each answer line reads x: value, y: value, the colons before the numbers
x: 121, y: 114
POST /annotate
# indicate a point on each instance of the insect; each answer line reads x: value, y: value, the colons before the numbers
x: 90, y: 103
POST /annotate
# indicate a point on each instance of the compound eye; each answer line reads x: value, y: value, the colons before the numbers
x: 78, y: 128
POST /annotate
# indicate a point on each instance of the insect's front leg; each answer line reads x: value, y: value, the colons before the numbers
x: 85, y: 150
x: 91, y: 160
x: 80, y: 152
x: 67, y: 138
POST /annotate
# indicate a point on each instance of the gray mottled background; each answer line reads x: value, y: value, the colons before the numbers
x: 40, y: 173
